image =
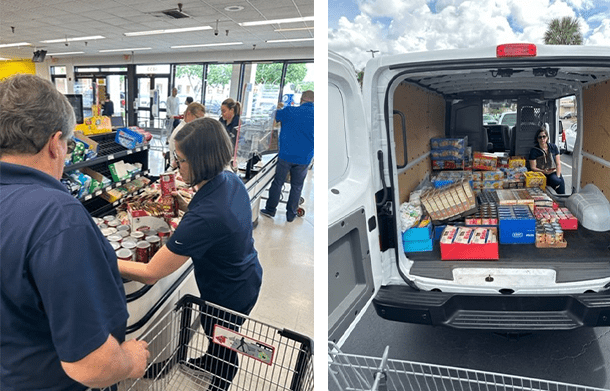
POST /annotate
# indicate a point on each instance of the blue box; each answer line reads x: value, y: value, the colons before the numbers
x: 418, y: 239
x: 516, y: 224
x: 415, y: 233
x: 414, y: 246
x: 438, y: 232
x: 128, y: 138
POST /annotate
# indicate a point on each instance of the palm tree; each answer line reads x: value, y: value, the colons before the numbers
x: 564, y: 31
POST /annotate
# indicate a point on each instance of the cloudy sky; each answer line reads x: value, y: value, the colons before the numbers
x: 403, y: 26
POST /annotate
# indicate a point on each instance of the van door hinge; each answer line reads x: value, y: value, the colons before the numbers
x: 387, y: 209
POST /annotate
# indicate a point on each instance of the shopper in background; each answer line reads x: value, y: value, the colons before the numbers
x: 173, y: 108
x: 296, y: 152
x: 193, y: 111
x: 230, y: 115
x: 108, y: 107
x: 546, y: 158
x: 189, y: 100
x: 216, y: 233
x: 63, y: 313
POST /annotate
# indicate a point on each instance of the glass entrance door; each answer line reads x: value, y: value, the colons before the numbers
x: 151, y: 99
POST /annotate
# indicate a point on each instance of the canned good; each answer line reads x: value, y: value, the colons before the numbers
x: 102, y: 226
x: 550, y: 237
x: 123, y: 228
x: 138, y: 235
x: 114, y: 223
x: 149, y: 232
x: 115, y: 245
x: 123, y: 234
x: 143, y: 228
x: 163, y: 233
x: 97, y: 220
x: 124, y: 254
x: 155, y: 244
x: 540, y: 236
x: 108, y: 231
x: 558, y: 235
x: 142, y: 251
x: 129, y: 244
x: 115, y: 238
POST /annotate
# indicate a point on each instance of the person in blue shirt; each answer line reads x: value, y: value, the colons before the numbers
x: 296, y: 152
x: 546, y: 158
x: 63, y: 311
x: 216, y: 233
x: 230, y: 115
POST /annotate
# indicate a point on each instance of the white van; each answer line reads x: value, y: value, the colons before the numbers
x: 379, y: 152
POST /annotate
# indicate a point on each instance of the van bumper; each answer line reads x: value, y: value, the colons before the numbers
x: 499, y: 313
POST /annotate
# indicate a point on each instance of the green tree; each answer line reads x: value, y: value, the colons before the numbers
x: 193, y: 73
x: 564, y: 31
x: 219, y: 74
x: 271, y: 74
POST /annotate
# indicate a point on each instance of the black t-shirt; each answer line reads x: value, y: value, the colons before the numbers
x: 543, y: 160
x: 108, y: 108
x: 231, y: 127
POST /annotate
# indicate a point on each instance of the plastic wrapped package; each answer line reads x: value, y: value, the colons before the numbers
x: 410, y: 215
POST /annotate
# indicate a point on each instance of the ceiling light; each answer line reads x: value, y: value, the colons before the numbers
x: 289, y: 40
x: 167, y: 31
x: 207, y: 45
x: 63, y: 54
x: 73, y: 39
x: 123, y: 50
x: 295, y: 29
x: 234, y: 8
x: 276, y: 21
x: 8, y: 45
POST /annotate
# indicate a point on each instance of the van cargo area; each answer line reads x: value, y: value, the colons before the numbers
x: 428, y: 99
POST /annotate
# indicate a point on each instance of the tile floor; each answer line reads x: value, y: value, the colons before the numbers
x: 286, y: 254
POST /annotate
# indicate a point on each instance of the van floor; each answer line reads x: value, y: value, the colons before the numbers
x: 586, y: 257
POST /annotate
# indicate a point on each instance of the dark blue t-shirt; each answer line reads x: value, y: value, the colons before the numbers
x: 62, y: 294
x: 216, y: 233
x: 296, y: 136
x: 544, y: 161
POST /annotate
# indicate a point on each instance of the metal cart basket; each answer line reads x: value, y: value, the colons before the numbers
x: 354, y: 372
x: 239, y: 353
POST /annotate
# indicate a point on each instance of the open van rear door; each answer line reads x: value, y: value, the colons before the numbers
x: 352, y: 223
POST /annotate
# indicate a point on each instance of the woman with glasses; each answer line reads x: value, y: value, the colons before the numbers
x: 545, y: 158
x: 216, y: 233
x: 193, y: 111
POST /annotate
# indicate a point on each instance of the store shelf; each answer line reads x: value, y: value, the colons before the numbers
x: 98, y: 207
x: 105, y: 155
x: 112, y: 186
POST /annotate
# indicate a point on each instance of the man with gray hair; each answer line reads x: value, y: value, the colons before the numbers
x: 63, y: 311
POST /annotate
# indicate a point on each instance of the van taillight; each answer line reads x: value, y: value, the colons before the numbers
x: 516, y: 50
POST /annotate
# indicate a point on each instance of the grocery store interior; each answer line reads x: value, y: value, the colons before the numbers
x: 135, y: 52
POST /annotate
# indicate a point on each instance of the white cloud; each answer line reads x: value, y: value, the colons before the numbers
x: 456, y: 24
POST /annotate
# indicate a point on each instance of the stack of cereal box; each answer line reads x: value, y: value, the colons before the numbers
x: 448, y: 153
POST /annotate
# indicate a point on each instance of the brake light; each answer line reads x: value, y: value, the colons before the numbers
x: 516, y: 50
x: 563, y: 136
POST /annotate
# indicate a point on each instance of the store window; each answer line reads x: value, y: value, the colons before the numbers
x: 189, y: 82
x: 217, y: 88
x: 262, y: 89
x: 153, y: 69
x: 299, y: 78
x: 85, y: 88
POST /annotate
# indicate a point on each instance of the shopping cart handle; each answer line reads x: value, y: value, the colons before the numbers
x: 305, y: 340
x: 189, y: 299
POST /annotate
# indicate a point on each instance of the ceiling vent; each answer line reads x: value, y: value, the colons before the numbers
x: 176, y: 13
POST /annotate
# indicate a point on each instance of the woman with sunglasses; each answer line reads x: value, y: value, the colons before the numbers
x: 545, y: 158
x: 216, y: 233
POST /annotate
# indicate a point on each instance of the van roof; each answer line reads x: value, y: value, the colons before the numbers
x: 555, y: 71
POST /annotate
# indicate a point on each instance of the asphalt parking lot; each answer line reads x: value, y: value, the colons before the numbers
x: 580, y: 356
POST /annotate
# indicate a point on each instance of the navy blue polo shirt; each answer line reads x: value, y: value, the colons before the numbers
x: 537, y: 152
x: 216, y: 232
x: 296, y: 136
x: 231, y: 127
x: 62, y: 294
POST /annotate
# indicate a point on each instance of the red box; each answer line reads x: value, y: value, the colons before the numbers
x: 459, y: 251
x: 484, y: 161
x: 568, y: 224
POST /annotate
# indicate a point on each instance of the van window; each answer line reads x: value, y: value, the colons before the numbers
x: 337, y: 135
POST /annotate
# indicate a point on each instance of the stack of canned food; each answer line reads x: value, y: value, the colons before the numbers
x: 550, y: 234
x: 138, y: 245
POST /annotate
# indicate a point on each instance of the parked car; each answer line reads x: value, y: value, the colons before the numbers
x: 570, y: 137
x: 508, y: 118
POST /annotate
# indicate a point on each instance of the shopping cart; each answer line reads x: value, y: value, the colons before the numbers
x: 239, y: 353
x: 354, y: 372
